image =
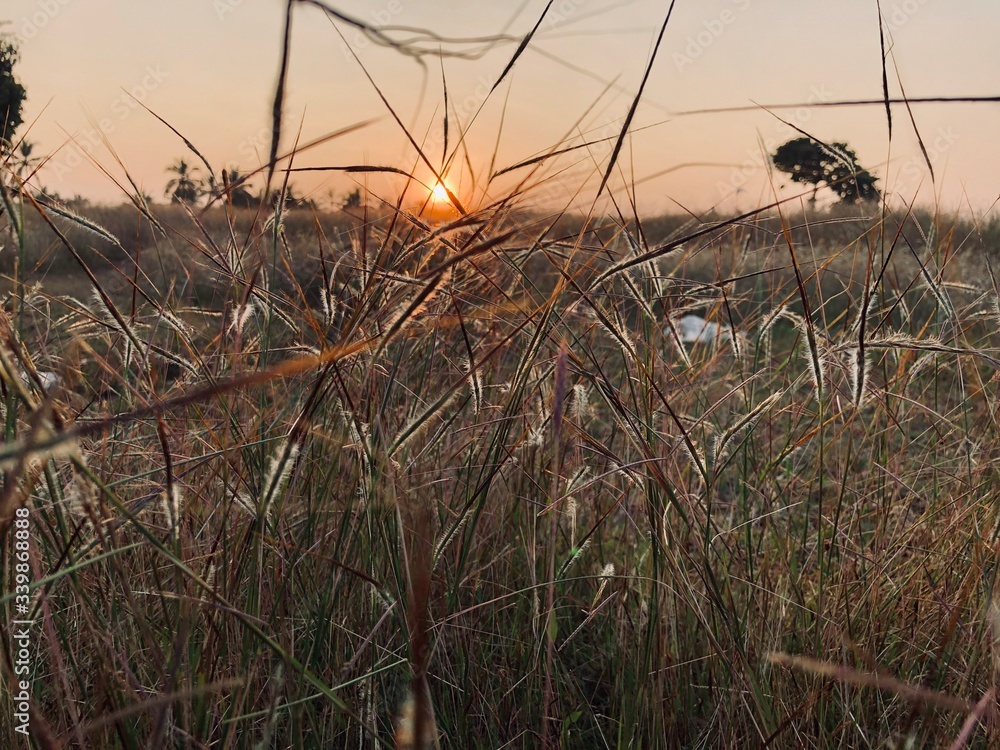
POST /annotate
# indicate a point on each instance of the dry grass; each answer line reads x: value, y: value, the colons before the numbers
x: 309, y: 481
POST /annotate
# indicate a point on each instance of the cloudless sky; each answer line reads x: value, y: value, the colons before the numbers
x: 209, y: 67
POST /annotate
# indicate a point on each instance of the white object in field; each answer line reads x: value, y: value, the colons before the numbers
x: 48, y: 379
x: 694, y: 329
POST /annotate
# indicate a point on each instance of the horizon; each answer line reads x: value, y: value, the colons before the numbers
x: 564, y: 89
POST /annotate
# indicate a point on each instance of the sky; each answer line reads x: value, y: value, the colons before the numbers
x: 209, y: 69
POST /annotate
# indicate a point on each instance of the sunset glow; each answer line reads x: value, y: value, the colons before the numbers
x: 439, y: 193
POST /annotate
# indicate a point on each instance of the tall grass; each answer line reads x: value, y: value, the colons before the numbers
x: 363, y: 481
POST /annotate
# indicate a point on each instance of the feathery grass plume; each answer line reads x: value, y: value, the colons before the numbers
x: 858, y: 377
x: 278, y: 470
x: 536, y: 435
x: 80, y: 499
x: 766, y: 327
x: 603, y: 577
x: 102, y: 310
x: 328, y: 305
x: 709, y: 452
x: 961, y: 286
x: 448, y: 534
x: 614, y: 328
x: 579, y: 405
x: 638, y: 296
x: 814, y: 358
x: 723, y: 441
x: 241, y: 315
x: 573, y: 485
x: 695, y: 456
x: 475, y: 380
x: 172, y: 504
x: 177, y: 325
x: 649, y: 270
x: 209, y: 574
x: 88, y: 224
x: 246, y: 504
x: 737, y: 341
x: 571, y: 513
x: 929, y: 344
x: 574, y: 555
x: 79, y: 319
x: 873, y: 301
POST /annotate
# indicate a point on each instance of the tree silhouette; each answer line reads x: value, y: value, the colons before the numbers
x: 11, y: 92
x: 293, y: 201
x: 239, y: 195
x: 353, y: 200
x: 835, y: 167
x: 184, y: 187
x: 24, y: 161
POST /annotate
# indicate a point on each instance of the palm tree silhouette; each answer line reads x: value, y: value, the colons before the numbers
x: 239, y: 195
x: 25, y: 162
x: 184, y: 187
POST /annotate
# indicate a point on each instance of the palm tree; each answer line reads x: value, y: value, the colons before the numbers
x: 183, y: 188
x: 25, y: 162
x: 239, y: 196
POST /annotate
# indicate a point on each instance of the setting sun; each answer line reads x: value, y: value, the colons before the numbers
x: 439, y: 193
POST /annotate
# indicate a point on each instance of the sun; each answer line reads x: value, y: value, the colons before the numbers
x: 439, y: 193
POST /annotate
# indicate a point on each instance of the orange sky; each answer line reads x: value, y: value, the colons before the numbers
x: 209, y: 68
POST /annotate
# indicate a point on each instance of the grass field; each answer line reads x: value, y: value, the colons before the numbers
x: 298, y: 479
x: 300, y: 467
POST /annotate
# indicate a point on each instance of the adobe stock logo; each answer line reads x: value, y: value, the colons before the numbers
x: 358, y: 40
x: 223, y: 8
x: 915, y: 168
x: 32, y: 25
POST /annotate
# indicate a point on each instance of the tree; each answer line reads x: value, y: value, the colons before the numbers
x: 239, y: 196
x: 353, y: 200
x: 184, y: 187
x: 11, y: 92
x: 25, y: 162
x: 293, y: 201
x: 836, y: 167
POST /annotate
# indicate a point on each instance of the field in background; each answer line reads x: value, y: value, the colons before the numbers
x: 307, y: 458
